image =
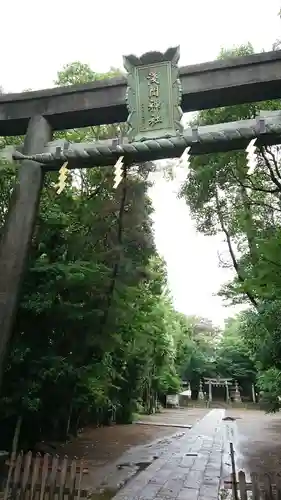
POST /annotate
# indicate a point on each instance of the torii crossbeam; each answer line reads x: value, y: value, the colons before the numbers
x: 226, y: 82
x: 202, y: 140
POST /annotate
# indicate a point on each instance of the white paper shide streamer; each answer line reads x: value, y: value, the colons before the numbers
x: 63, y: 173
x: 118, y: 172
x: 182, y: 166
x: 252, y: 159
x: 185, y: 158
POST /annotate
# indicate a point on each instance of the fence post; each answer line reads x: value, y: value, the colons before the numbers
x: 255, y: 487
x: 45, y: 477
x: 233, y: 473
x: 242, y: 485
x: 268, y: 493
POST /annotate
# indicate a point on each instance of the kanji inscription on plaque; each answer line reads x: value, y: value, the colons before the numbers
x: 153, y: 95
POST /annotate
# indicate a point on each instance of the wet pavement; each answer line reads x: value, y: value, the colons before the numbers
x: 176, y: 417
x: 187, y: 469
x: 258, y: 446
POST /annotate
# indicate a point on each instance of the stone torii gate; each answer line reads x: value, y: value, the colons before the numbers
x: 223, y: 382
x: 156, y: 88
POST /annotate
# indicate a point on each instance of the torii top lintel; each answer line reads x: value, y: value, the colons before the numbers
x: 219, y: 83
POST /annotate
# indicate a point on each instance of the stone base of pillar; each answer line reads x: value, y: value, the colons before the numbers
x: 237, y: 397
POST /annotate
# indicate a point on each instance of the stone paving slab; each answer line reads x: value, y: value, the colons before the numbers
x: 118, y: 473
x: 190, y: 468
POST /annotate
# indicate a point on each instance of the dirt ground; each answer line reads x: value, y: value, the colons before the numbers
x: 105, y: 444
x: 259, y: 441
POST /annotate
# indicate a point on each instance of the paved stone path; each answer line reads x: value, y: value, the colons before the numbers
x: 190, y: 468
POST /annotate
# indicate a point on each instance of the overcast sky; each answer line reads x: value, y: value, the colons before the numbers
x: 37, y: 38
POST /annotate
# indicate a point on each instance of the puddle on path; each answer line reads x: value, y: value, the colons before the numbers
x: 108, y: 493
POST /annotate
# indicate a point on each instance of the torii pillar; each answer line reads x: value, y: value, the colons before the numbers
x: 210, y: 391
x: 18, y: 229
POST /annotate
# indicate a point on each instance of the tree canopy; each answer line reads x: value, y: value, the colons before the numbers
x: 226, y: 198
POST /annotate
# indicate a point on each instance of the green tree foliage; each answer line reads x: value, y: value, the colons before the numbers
x: 224, y: 198
x: 205, y: 351
x: 94, y: 331
x: 233, y: 356
x: 260, y: 330
x: 196, y: 349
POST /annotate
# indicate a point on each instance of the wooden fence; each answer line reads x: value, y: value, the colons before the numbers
x: 265, y: 487
x: 44, y: 478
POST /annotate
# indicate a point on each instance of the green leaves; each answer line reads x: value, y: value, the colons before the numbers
x: 94, y: 329
x: 224, y: 198
x: 233, y: 356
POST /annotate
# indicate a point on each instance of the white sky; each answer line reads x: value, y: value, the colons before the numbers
x: 38, y: 38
